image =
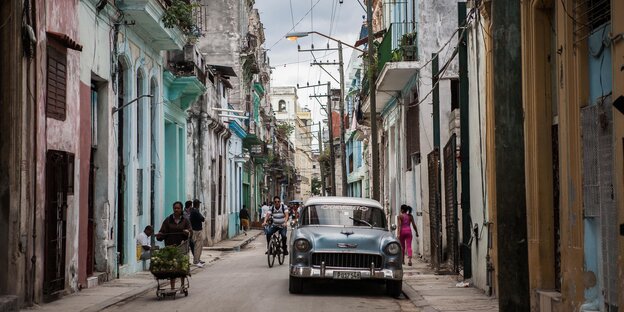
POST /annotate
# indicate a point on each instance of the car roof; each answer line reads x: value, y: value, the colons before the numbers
x: 340, y: 200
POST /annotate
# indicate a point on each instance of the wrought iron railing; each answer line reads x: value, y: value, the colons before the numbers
x: 398, y: 44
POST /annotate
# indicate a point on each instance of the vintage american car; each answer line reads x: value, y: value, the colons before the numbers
x: 344, y: 238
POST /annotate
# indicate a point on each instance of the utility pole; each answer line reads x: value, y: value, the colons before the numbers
x: 320, y: 143
x: 332, y: 159
x: 343, y: 149
x: 373, y: 102
x: 465, y: 141
x: 511, y: 217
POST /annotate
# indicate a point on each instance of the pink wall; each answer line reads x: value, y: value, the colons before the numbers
x: 85, y: 161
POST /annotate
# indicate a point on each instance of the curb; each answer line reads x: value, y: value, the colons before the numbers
x: 236, y: 247
x: 134, y: 293
x: 411, y: 294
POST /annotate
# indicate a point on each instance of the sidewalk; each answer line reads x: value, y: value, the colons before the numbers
x: 130, y: 287
x: 438, y: 293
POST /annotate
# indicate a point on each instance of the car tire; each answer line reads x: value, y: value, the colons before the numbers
x: 295, y: 285
x: 394, y: 288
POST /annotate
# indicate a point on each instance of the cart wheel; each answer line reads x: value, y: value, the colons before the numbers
x: 186, y: 293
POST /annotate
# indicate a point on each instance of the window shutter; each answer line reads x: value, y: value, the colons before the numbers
x: 56, y: 100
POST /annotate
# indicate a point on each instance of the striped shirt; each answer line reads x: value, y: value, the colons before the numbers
x: 278, y: 215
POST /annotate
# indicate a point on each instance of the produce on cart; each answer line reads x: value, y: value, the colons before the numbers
x: 169, y: 262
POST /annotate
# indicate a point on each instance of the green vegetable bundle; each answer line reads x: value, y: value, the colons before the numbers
x: 169, y: 262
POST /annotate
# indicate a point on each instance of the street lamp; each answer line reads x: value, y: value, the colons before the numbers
x: 296, y: 35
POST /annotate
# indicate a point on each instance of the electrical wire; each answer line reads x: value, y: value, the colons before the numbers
x: 284, y: 36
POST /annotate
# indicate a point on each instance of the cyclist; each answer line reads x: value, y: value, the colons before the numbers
x: 278, y: 214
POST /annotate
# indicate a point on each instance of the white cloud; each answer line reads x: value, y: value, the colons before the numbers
x: 293, y: 67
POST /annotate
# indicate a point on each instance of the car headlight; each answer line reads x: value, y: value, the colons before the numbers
x: 393, y: 248
x: 302, y: 245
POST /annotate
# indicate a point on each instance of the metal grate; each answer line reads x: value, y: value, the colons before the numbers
x: 450, y: 186
x: 347, y: 260
x: 435, y: 211
x: 589, y: 15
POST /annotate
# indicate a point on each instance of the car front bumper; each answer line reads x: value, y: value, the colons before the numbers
x: 324, y: 272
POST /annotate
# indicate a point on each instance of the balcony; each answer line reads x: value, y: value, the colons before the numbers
x: 147, y: 16
x: 397, y: 56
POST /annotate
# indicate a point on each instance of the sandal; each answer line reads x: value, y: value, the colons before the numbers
x: 409, y: 263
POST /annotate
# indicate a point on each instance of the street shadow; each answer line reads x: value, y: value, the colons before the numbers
x: 339, y: 288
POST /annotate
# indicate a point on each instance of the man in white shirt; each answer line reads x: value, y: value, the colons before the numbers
x: 143, y: 241
x: 265, y: 208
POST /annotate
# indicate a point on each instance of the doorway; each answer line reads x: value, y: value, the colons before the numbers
x: 58, y: 176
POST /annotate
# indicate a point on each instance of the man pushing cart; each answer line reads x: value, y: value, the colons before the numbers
x: 172, y: 261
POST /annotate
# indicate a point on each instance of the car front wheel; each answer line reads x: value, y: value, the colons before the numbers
x: 295, y: 285
x: 394, y: 288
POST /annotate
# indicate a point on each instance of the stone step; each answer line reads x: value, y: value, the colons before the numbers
x: 8, y: 303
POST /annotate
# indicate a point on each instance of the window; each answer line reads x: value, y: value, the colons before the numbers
x: 56, y: 101
x: 71, y: 159
x: 139, y: 112
x: 412, y: 131
x: 454, y: 94
x: 282, y: 105
x: 94, y: 107
x: 139, y: 192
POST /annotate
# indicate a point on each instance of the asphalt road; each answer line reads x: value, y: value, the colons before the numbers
x: 242, y: 281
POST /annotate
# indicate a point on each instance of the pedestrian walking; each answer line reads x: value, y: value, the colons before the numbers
x: 197, y: 224
x: 265, y: 208
x: 187, y: 215
x: 244, y: 219
x: 405, y: 219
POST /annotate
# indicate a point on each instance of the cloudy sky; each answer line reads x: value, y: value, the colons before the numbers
x: 338, y: 20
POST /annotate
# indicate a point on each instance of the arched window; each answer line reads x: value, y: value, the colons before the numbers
x: 282, y: 105
x: 140, y: 88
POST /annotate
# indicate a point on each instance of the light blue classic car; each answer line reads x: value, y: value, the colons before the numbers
x: 344, y: 238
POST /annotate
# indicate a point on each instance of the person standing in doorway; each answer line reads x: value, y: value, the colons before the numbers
x: 197, y: 224
x: 405, y: 220
x: 244, y: 219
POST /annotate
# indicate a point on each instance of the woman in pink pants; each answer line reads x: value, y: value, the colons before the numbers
x: 405, y: 219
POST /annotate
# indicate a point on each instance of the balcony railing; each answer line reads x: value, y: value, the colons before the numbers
x: 398, y: 44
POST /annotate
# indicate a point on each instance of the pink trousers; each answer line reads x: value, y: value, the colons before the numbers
x: 406, y: 242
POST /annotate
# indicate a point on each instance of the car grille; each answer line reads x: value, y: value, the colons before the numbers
x: 346, y: 260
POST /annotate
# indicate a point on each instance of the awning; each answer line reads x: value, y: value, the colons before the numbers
x: 64, y: 39
x: 227, y: 71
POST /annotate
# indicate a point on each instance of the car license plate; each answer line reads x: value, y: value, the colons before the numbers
x: 347, y: 275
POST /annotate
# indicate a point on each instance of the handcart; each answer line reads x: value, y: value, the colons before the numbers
x: 181, y: 277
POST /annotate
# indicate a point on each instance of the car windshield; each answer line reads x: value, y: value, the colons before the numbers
x: 349, y: 215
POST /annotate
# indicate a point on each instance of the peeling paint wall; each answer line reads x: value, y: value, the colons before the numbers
x: 434, y: 29
x: 222, y: 39
x: 96, y: 67
x: 478, y: 160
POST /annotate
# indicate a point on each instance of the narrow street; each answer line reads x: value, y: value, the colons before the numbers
x: 242, y: 281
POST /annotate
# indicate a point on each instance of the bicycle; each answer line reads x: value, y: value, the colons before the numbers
x: 275, y: 250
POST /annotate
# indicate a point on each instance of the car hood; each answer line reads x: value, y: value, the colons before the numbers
x: 345, y: 239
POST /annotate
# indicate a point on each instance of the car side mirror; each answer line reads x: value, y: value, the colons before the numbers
x: 293, y: 223
x: 393, y: 227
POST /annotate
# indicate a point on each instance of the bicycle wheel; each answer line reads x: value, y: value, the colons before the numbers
x: 280, y: 252
x: 281, y: 257
x: 271, y: 255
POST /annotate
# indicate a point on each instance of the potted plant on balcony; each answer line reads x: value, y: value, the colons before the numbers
x: 180, y: 13
x: 408, y: 47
